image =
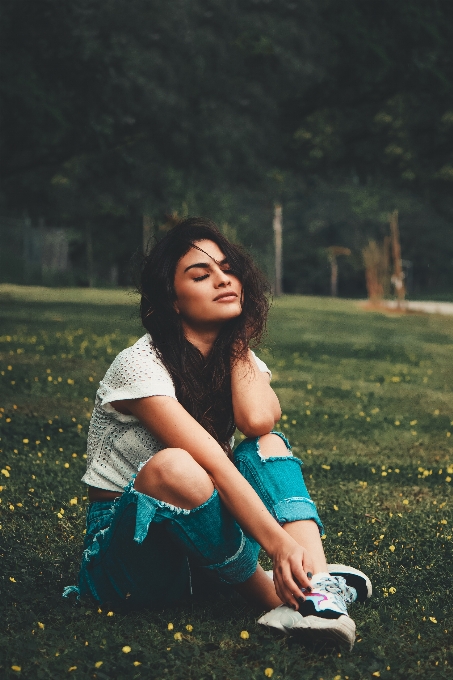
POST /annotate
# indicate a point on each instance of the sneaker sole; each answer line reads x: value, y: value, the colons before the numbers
x: 316, y: 630
x: 321, y: 631
x: 355, y: 578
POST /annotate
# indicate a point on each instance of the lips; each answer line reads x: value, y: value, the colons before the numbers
x: 231, y: 294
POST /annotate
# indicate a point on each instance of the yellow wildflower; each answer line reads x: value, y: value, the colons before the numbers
x: 392, y: 590
x: 392, y: 548
x: 170, y: 626
x: 432, y: 619
x: 178, y: 636
x: 73, y: 501
x: 126, y: 649
x: 5, y: 473
x: 16, y: 668
x: 189, y: 628
x: 110, y: 614
x: 245, y: 634
x: 98, y: 664
x: 72, y: 668
x: 40, y: 625
x: 25, y: 441
x: 137, y: 663
x: 12, y: 579
x: 268, y: 672
x: 405, y: 502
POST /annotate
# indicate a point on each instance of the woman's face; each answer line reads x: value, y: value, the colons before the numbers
x: 207, y: 294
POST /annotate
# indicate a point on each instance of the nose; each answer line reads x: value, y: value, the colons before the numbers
x: 222, y: 278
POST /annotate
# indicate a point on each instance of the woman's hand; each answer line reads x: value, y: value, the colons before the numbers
x: 291, y: 563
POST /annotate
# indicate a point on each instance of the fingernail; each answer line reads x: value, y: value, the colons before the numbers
x: 309, y: 574
x: 309, y: 589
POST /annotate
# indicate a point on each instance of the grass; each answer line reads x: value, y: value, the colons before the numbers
x: 368, y: 405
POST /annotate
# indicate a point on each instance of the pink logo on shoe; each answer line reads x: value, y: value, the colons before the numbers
x: 317, y: 597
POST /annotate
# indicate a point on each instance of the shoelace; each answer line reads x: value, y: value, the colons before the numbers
x: 337, y: 586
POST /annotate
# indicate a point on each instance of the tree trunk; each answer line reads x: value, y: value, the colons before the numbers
x: 277, y: 224
x: 147, y: 233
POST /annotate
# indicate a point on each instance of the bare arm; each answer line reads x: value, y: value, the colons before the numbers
x: 255, y: 404
x: 175, y: 428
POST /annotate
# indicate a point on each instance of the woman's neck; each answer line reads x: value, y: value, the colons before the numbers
x: 202, y: 338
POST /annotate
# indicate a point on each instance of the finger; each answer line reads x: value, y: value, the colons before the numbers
x: 308, y: 568
x: 288, y: 589
x: 300, y: 576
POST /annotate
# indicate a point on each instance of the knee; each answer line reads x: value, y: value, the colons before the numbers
x: 174, y: 470
x: 273, y: 445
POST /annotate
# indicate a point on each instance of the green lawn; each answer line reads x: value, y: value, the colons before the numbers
x: 368, y: 404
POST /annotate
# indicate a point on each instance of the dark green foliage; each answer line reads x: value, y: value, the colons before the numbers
x: 330, y: 359
x: 340, y: 110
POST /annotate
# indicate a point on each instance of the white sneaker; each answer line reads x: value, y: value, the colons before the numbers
x: 323, y: 616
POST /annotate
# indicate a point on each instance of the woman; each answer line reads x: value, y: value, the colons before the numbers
x: 168, y: 499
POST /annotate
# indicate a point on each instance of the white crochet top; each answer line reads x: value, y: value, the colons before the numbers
x: 119, y: 444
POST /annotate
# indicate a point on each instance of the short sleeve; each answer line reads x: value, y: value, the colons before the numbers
x: 136, y: 372
x: 261, y: 365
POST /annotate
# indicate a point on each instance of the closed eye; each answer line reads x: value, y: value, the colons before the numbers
x: 200, y: 278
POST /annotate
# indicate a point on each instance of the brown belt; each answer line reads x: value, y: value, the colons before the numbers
x: 95, y: 494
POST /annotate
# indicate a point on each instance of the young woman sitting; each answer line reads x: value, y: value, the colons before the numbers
x: 169, y: 500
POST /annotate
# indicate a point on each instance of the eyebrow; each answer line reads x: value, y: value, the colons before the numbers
x: 205, y: 265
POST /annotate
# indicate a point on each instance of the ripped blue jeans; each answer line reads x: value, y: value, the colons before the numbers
x: 145, y: 552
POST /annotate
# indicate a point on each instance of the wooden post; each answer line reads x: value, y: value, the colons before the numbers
x: 277, y: 224
x: 90, y: 256
x: 334, y: 277
x: 398, y: 274
x: 147, y: 232
x: 333, y: 252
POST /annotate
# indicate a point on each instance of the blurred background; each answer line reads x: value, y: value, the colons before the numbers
x: 119, y: 117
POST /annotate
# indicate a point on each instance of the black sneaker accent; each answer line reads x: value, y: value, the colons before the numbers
x: 358, y: 580
x: 307, y: 608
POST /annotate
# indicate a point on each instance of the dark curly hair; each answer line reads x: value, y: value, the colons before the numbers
x: 202, y: 384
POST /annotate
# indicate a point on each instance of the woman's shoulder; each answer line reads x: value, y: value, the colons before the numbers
x: 140, y: 359
x: 136, y: 372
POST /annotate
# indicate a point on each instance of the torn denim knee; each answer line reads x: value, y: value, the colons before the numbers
x: 279, y: 482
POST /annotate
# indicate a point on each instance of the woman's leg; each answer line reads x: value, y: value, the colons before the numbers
x: 172, y: 476
x: 305, y: 532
